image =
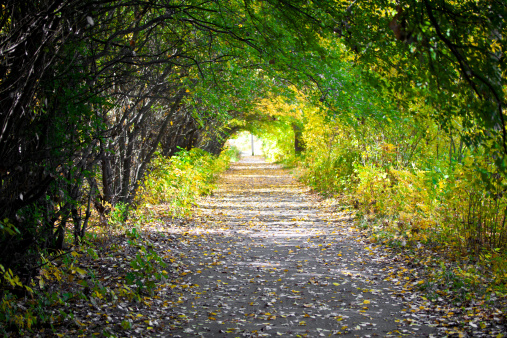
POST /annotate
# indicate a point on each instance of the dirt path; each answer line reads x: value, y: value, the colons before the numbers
x: 263, y: 261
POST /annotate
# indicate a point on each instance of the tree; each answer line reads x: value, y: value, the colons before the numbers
x: 91, y: 89
x: 451, y: 53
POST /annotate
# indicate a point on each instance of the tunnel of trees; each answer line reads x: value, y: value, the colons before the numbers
x: 92, y: 91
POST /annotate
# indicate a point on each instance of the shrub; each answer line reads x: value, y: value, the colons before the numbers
x: 179, y: 180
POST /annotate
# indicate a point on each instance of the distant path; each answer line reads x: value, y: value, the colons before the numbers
x: 263, y: 261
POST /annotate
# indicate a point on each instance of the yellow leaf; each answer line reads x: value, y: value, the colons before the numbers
x: 81, y: 271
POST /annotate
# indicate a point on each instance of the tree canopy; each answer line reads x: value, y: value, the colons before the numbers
x: 92, y: 91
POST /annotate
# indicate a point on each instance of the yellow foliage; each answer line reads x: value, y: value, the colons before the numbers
x: 179, y: 180
x: 400, y: 195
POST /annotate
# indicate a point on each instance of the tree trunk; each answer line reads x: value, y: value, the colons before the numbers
x: 299, y: 144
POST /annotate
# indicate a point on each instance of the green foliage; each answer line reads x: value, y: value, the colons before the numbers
x: 178, y: 181
x: 475, y: 207
x: 14, y: 316
x: 24, y: 314
x: 277, y: 141
x: 330, y: 155
x: 424, y: 189
x: 147, y: 269
x: 11, y: 280
x: 409, y: 126
x: 118, y: 214
x: 445, y: 54
x: 7, y: 228
x: 233, y: 153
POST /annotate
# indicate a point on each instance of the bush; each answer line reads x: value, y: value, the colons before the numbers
x: 179, y: 180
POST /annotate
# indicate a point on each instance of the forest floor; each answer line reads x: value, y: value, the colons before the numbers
x: 262, y: 257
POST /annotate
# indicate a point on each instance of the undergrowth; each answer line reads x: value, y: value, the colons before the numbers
x: 407, y: 192
x: 77, y: 277
x: 456, y: 220
x: 178, y: 181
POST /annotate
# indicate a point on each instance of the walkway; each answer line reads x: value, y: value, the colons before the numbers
x: 263, y: 261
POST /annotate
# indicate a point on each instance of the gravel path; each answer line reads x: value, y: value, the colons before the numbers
x: 263, y: 261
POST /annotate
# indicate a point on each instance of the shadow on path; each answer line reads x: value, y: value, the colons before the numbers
x: 264, y: 262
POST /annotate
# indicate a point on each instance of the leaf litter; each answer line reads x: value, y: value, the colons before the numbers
x: 259, y: 258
